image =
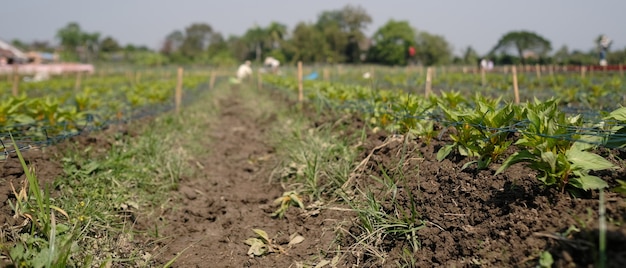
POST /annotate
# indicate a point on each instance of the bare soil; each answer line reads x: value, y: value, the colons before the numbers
x: 471, y: 218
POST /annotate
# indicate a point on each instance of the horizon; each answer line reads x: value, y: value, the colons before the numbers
x: 575, y: 24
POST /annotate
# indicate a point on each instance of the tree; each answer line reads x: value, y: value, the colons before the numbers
x: 308, y: 44
x: 391, y: 43
x: 172, y: 42
x: 525, y: 44
x: 77, y: 43
x: 343, y: 31
x: 109, y: 44
x: 432, y: 49
x: 470, y: 56
x: 197, y: 39
x: 561, y: 56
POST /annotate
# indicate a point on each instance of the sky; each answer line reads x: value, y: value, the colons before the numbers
x: 463, y: 23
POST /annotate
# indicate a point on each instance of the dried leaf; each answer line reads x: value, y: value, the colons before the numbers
x: 296, y: 240
x: 262, y: 234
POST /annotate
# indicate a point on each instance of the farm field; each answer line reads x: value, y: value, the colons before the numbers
x: 363, y: 172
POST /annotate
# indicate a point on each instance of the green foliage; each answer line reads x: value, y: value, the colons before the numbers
x: 552, y: 145
x: 481, y: 132
x: 392, y: 41
x: 432, y: 49
x: 523, y: 42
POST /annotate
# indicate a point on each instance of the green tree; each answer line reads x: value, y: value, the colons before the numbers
x: 78, y: 44
x: 308, y: 44
x: 172, y: 42
x: 343, y: 31
x: 391, y: 43
x: 109, y: 44
x: 197, y: 38
x: 432, y: 49
x: 561, y: 56
x: 470, y: 56
x: 524, y: 43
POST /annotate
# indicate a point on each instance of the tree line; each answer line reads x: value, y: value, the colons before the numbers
x: 337, y: 36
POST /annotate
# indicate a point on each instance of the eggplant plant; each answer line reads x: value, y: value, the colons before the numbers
x: 481, y: 132
x: 553, y: 145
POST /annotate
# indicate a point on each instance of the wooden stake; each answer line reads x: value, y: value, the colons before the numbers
x: 179, y: 89
x: 583, y: 69
x: 16, y: 81
x: 259, y: 82
x: 621, y: 69
x: 78, y: 81
x: 428, y: 81
x: 212, y: 80
x: 483, y: 76
x: 326, y: 74
x: 300, y: 86
x: 538, y: 70
x: 515, y: 88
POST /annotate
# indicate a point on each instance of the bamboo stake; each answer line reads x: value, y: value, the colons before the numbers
x: 300, y: 86
x: 428, y: 82
x: 483, y: 76
x: 538, y: 70
x: 515, y: 87
x: 79, y: 76
x: 16, y: 81
x: 583, y: 69
x: 212, y: 80
x: 621, y: 69
x: 179, y: 89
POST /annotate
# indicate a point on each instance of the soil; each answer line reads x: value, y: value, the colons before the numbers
x: 469, y: 217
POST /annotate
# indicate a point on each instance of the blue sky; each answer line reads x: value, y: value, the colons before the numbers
x: 476, y: 23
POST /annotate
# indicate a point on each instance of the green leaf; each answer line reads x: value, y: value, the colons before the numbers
x: 546, y: 260
x: 587, y: 160
x: 467, y: 164
x: 617, y: 139
x: 444, y: 152
x: 588, y: 182
x: 550, y: 158
x: 521, y: 156
x: 619, y: 114
x: 621, y: 188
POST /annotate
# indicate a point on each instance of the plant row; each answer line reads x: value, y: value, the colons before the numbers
x: 561, y: 147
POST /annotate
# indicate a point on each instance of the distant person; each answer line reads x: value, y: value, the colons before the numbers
x: 489, y: 65
x: 411, y: 54
x: 271, y: 64
x: 484, y: 64
x: 244, y: 71
x: 604, y: 43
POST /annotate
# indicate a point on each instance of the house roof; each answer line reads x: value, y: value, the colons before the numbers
x: 9, y: 50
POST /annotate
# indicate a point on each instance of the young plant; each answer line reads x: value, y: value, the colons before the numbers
x: 553, y: 146
x: 288, y: 199
x: 482, y: 132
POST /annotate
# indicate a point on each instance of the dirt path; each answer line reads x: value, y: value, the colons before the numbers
x: 220, y: 208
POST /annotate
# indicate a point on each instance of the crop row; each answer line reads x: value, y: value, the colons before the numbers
x: 46, y: 109
x: 561, y: 147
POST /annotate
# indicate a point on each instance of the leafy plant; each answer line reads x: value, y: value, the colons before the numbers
x: 287, y: 200
x: 554, y: 147
x: 482, y: 132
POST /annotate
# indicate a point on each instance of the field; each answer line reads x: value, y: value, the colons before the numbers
x: 394, y: 169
